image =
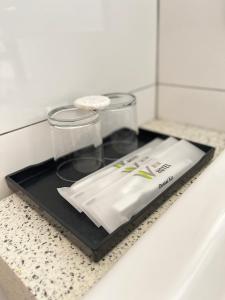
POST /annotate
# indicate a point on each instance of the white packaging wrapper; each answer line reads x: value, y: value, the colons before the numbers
x: 129, y: 167
x: 74, y: 194
x: 111, y: 180
x: 79, y: 200
x: 112, y: 209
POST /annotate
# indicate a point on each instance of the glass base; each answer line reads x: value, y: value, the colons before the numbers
x: 76, y: 168
x: 116, y: 149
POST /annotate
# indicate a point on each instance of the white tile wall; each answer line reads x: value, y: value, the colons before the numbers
x: 32, y: 144
x: 192, y: 42
x: 192, y: 55
x: 146, y: 105
x: 21, y: 148
x: 203, y: 108
x: 52, y: 52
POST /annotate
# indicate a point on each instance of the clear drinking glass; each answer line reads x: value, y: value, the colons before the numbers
x: 119, y: 126
x: 76, y: 142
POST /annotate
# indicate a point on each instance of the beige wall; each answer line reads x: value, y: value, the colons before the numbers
x: 192, y: 62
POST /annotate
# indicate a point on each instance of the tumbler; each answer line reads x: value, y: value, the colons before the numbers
x: 76, y: 142
x: 119, y: 126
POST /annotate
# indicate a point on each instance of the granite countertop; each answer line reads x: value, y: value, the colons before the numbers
x: 37, y: 261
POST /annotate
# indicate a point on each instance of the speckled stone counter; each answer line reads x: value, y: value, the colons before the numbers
x: 37, y: 261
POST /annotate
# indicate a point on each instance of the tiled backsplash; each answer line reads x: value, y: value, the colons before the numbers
x: 201, y: 107
x: 191, y: 72
x: 32, y: 144
x: 51, y: 52
x: 192, y: 62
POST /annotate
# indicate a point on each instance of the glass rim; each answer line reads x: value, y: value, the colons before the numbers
x: 131, y: 100
x: 90, y: 117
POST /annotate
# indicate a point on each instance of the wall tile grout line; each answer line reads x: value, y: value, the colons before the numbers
x: 23, y: 127
x: 183, y: 86
x: 142, y: 88
x: 157, y: 60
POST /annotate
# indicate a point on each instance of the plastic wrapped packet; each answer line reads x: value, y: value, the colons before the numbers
x: 108, y: 182
x: 138, y: 189
x: 79, y: 200
x: 72, y: 194
x: 102, y: 183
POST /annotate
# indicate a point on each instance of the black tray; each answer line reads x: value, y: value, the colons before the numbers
x: 39, y: 183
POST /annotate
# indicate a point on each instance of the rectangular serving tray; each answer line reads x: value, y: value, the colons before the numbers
x: 40, y: 182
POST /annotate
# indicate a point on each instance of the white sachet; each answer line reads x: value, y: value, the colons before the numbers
x: 111, y: 181
x: 112, y: 209
x: 131, y: 166
x: 79, y: 200
x: 74, y: 193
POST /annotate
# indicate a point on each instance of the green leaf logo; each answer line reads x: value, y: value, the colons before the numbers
x: 145, y: 175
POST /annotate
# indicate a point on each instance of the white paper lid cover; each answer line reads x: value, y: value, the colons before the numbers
x: 92, y: 102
